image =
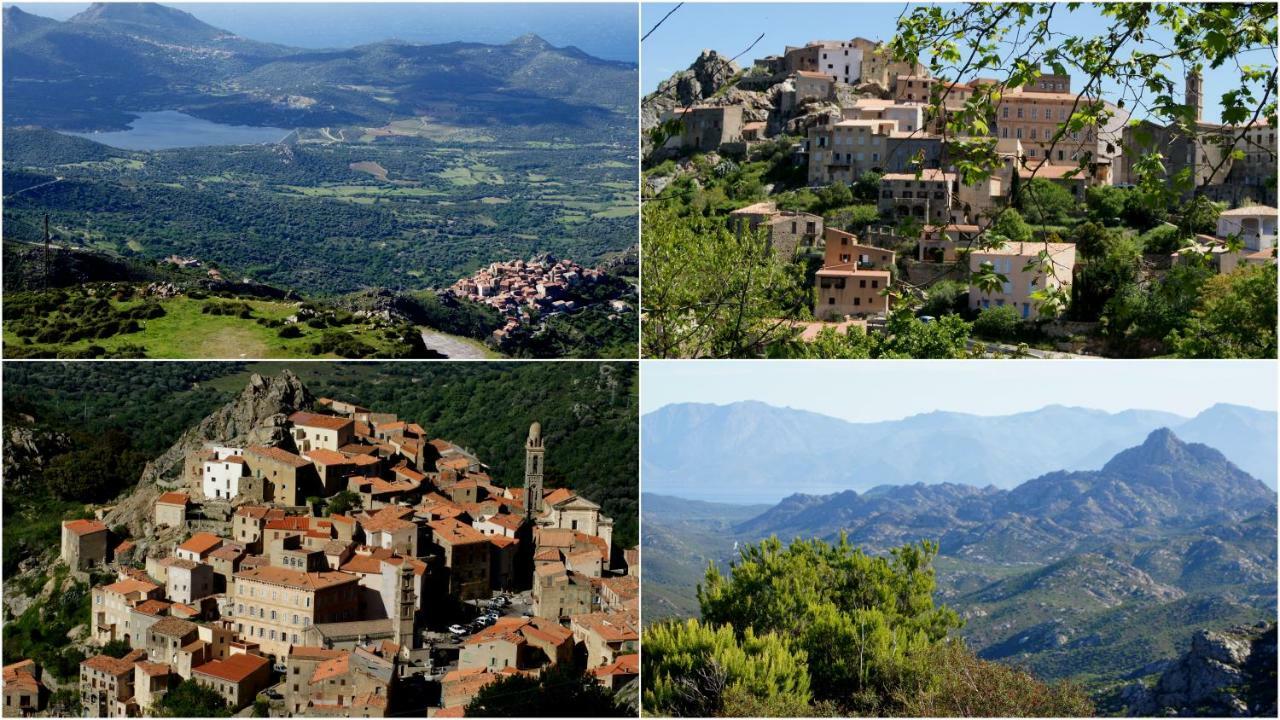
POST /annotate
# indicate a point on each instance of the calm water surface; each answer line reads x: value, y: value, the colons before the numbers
x: 165, y: 129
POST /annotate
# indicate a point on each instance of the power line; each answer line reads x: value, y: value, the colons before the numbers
x: 664, y: 19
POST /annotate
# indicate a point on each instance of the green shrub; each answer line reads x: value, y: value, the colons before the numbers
x: 998, y: 323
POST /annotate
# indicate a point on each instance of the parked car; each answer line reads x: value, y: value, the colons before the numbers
x: 457, y: 630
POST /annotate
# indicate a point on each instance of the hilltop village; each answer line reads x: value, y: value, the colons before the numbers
x: 831, y: 151
x: 527, y: 292
x: 356, y: 568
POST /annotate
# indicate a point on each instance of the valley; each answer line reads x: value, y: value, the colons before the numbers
x: 384, y: 167
x: 1100, y: 576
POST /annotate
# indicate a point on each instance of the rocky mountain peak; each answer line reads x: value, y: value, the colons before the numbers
x: 149, y: 19
x: 532, y: 42
x: 1163, y: 448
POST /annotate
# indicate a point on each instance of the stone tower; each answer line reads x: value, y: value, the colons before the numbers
x: 402, y: 612
x: 533, y: 456
x: 1195, y: 94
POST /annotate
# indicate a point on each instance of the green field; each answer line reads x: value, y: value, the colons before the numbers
x: 186, y: 332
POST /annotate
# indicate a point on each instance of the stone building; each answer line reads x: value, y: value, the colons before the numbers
x: 274, y: 606
x: 787, y: 231
x: 171, y: 509
x: 84, y: 544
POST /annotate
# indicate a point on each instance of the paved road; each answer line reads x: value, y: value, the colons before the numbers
x: 451, y: 347
x: 33, y: 187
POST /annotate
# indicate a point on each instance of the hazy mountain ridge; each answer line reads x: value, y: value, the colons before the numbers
x: 91, y: 71
x: 754, y: 452
x: 1100, y: 575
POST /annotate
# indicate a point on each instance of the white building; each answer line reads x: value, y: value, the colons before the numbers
x: 1256, y: 226
x: 842, y: 60
x: 220, y: 479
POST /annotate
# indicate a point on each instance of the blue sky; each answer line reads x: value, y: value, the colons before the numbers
x: 866, y: 391
x: 729, y: 28
x: 606, y: 30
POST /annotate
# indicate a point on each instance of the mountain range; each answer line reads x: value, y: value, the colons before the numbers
x: 95, y: 69
x: 751, y: 452
x: 1100, y: 575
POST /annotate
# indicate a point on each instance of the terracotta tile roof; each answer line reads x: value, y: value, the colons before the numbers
x: 814, y: 75
x: 312, y: 652
x: 180, y: 563
x: 293, y: 578
x: 201, y: 543
x: 234, y: 669
x: 230, y: 551
x: 628, y: 664
x: 610, y: 626
x: 327, y: 457
x: 108, y: 664
x: 332, y: 667
x: 126, y: 587
x: 357, y: 449
x: 502, y: 541
x: 173, y: 627
x: 152, y: 607
x: 325, y: 422
x: 279, y: 455
x: 124, y: 547
x: 296, y: 523
x: 388, y: 519
x: 624, y: 586
x: 554, y: 537
x: 455, y: 533
x: 557, y: 496
x: 84, y: 527
x: 153, y: 669
x: 173, y: 498
x: 181, y: 610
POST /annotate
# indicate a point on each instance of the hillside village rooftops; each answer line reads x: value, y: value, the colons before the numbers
x: 328, y: 457
x: 312, y: 652
x: 324, y: 422
x: 130, y: 586
x: 152, y: 607
x: 258, y: 512
x: 173, y: 498
x: 295, y: 579
x: 235, y: 668
x: 279, y: 455
x: 108, y: 665
x: 455, y: 533
x: 84, y: 527
x: 628, y: 664
x: 201, y: 543
x: 555, y: 497
x: 612, y: 627
x: 173, y: 627
x: 177, y: 562
x: 332, y: 667
x: 153, y: 669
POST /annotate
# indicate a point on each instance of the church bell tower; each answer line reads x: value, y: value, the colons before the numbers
x: 533, y: 456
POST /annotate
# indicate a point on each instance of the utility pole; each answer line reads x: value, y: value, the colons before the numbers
x: 47, y: 251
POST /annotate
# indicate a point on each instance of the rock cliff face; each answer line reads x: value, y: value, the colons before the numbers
x: 257, y: 416
x: 1226, y: 673
x: 688, y: 87
x: 26, y: 451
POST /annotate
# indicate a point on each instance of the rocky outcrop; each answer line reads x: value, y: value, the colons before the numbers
x: 1226, y: 673
x: 26, y: 452
x: 708, y: 73
x: 257, y: 416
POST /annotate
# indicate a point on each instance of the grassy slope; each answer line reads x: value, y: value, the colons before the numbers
x: 186, y: 332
